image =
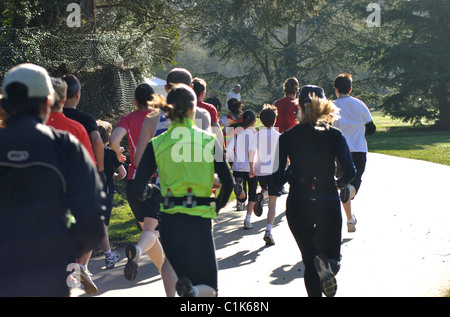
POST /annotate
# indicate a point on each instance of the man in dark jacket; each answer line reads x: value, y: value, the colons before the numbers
x: 50, y: 192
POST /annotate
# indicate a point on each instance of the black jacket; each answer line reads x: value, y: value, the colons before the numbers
x: 43, y: 174
x: 312, y: 153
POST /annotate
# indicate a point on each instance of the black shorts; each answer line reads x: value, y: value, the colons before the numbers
x: 359, y: 160
x: 252, y: 184
x: 141, y: 209
x: 267, y: 184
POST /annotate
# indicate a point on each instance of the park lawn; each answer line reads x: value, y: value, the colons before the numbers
x: 396, y: 138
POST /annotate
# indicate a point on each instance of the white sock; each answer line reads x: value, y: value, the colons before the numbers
x: 107, y: 253
x: 138, y: 253
x: 247, y: 217
x: 269, y: 228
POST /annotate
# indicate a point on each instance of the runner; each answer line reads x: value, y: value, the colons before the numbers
x: 186, y: 184
x: 263, y: 158
x: 355, y: 122
x: 238, y: 155
x: 114, y: 171
x: 288, y: 106
x: 47, y: 180
x: 313, y: 209
x: 59, y: 121
x: 146, y: 213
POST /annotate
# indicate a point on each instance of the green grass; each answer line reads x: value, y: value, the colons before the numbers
x: 122, y: 226
x: 400, y: 139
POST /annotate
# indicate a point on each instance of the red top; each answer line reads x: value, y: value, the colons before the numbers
x: 211, y: 109
x: 132, y: 123
x: 287, y: 113
x: 59, y: 121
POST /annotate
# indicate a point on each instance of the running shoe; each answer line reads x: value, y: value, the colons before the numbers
x: 239, y: 188
x: 86, y: 280
x: 258, y: 208
x: 239, y: 206
x: 268, y: 238
x: 110, y: 262
x: 345, y: 194
x: 131, y: 268
x: 184, y: 288
x: 247, y: 225
x: 328, y: 282
x: 351, y: 225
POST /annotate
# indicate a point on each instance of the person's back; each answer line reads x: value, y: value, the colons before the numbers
x: 132, y: 123
x: 33, y: 207
x: 313, y: 157
x: 287, y: 113
x: 59, y: 121
x: 354, y: 115
x: 288, y: 106
x: 44, y: 173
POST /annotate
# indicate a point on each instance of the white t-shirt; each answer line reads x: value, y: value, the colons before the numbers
x: 202, y: 119
x: 354, y: 115
x: 237, y: 150
x: 231, y: 95
x: 264, y: 144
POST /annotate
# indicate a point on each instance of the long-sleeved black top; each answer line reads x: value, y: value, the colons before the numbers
x: 312, y: 152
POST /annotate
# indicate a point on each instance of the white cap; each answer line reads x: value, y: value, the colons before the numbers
x: 34, y: 77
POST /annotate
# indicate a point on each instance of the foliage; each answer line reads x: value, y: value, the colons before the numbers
x: 413, y: 63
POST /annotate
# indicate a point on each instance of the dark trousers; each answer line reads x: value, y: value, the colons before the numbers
x: 188, y: 244
x: 316, y: 226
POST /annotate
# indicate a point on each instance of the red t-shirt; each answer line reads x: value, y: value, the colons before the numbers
x: 287, y: 113
x: 132, y: 123
x: 211, y: 109
x: 59, y: 121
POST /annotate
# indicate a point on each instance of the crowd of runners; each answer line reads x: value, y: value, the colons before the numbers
x: 59, y: 166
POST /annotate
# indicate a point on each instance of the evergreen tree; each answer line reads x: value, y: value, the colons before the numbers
x: 413, y: 61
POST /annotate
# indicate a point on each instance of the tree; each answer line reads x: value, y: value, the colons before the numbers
x: 259, y: 34
x: 274, y: 40
x: 414, y: 62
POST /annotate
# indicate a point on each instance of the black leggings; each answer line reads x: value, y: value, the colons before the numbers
x: 189, y: 246
x: 316, y: 226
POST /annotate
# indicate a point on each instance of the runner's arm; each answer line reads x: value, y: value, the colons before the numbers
x: 143, y: 173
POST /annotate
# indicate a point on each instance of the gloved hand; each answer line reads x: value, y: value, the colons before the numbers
x: 151, y: 191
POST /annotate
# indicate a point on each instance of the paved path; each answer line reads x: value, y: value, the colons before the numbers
x: 401, y: 247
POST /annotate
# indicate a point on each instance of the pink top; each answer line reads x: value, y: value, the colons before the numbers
x: 132, y: 123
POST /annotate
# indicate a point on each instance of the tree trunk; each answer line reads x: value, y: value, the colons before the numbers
x: 443, y: 93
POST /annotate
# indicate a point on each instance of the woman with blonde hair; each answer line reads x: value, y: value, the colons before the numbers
x: 313, y: 207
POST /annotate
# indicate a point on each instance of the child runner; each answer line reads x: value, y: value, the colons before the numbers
x: 114, y: 171
x: 263, y: 158
x: 237, y: 153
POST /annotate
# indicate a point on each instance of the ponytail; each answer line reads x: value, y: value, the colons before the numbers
x: 180, y: 101
x: 317, y: 111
